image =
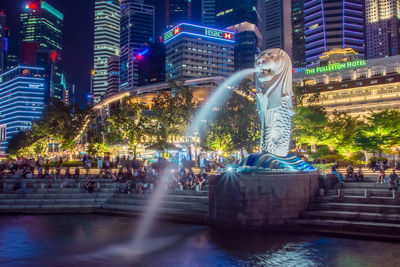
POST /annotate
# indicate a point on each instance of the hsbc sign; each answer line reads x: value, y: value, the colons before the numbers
x: 218, y: 34
x: 199, y: 31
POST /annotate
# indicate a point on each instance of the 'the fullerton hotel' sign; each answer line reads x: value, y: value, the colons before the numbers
x: 336, y: 66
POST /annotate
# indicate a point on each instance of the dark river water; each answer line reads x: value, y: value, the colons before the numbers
x: 97, y: 240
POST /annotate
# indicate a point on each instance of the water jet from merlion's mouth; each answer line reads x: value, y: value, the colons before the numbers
x: 218, y: 97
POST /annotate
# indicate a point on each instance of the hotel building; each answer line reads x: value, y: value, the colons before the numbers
x: 355, y: 86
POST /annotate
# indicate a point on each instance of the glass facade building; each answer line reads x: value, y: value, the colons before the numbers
x: 137, y: 33
x: 208, y: 13
x: 106, y: 42
x: 177, y: 11
x: 298, y: 35
x: 382, y: 28
x: 42, y: 24
x: 333, y: 24
x: 22, y: 99
x: 194, y: 51
x: 232, y: 12
x: 3, y: 40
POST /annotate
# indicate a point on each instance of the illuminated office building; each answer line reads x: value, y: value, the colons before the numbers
x: 333, y: 24
x: 3, y: 40
x: 382, y: 28
x: 232, y: 12
x: 177, y: 11
x: 194, y: 51
x: 298, y: 35
x: 42, y: 24
x: 106, y: 42
x: 113, y: 76
x: 22, y: 99
x: 136, y: 35
x: 208, y: 12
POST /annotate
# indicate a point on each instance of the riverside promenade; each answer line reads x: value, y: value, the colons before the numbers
x: 358, y: 209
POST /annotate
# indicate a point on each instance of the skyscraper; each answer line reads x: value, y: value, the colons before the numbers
x: 247, y: 44
x: 382, y: 28
x: 41, y: 23
x: 106, y: 42
x: 298, y: 35
x: 22, y: 99
x: 137, y: 33
x: 177, y: 11
x: 194, y: 51
x: 3, y: 40
x: 113, y: 76
x: 208, y: 13
x: 276, y: 24
x: 333, y: 24
x: 232, y: 12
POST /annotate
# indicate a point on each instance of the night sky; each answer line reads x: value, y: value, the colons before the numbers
x: 78, y: 35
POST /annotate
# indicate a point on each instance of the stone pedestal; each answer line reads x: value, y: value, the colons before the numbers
x: 260, y: 200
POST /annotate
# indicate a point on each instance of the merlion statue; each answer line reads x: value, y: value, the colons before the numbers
x: 274, y: 99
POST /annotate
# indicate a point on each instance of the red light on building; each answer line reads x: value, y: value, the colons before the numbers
x: 177, y: 30
x: 139, y: 57
x: 54, y: 56
x: 228, y: 36
x: 33, y: 6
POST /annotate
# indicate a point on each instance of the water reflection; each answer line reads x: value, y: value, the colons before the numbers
x: 105, y: 241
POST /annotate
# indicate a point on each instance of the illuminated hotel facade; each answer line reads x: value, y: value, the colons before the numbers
x: 355, y: 87
x: 331, y: 24
x: 194, y: 51
x: 22, y: 99
x: 106, y: 42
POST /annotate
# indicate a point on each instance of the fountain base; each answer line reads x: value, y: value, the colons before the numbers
x: 267, y: 162
x: 260, y: 200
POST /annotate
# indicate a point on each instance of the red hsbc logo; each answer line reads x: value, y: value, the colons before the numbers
x: 228, y: 36
x: 177, y: 30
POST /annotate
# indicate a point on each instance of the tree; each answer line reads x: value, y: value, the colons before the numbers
x: 340, y: 133
x: 171, y: 114
x: 236, y: 125
x: 309, y: 124
x: 381, y: 132
x: 130, y: 124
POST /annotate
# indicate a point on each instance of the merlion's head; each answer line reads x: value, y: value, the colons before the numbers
x: 274, y: 69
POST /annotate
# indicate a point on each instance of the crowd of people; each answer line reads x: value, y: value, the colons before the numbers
x: 381, y: 167
x: 132, y: 178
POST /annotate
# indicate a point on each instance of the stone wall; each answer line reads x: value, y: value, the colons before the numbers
x: 260, y: 200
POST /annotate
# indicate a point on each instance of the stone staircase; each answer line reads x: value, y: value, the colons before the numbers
x: 365, y: 209
x: 69, y: 196
x: 176, y: 205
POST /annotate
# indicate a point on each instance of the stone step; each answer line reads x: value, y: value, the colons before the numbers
x: 88, y: 199
x: 361, y: 192
x: 55, y: 195
x: 351, y: 216
x: 179, y: 198
x: 365, y: 185
x: 165, y: 203
x: 161, y: 210
x: 351, y: 225
x: 360, y: 199
x: 39, y: 207
x: 355, y: 207
x: 68, y: 190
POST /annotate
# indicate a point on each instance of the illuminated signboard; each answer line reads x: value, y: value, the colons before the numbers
x: 337, y: 66
x: 198, y: 31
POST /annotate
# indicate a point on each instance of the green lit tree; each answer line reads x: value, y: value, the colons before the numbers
x: 130, y: 124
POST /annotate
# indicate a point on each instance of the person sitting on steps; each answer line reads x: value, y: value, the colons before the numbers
x: 360, y: 175
x: 393, y: 180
